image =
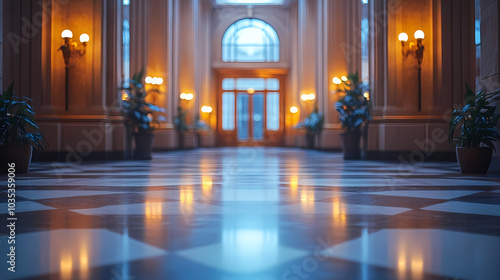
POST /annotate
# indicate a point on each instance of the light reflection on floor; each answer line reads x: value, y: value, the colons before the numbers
x: 256, y: 213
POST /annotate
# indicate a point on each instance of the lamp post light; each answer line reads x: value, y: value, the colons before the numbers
x: 207, y: 110
x: 69, y: 48
x: 418, y: 51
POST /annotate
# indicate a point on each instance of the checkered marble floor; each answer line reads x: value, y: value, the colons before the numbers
x: 253, y: 213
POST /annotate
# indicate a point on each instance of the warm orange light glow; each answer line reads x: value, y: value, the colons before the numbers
x: 336, y: 81
x: 294, y: 109
x: 206, y: 109
x: 339, y: 211
x: 419, y: 34
x: 66, y: 266
x: 308, y: 97
x: 417, y: 267
x: 403, y: 37
x: 153, y: 210
x: 189, y: 96
x: 294, y: 182
x: 84, y: 262
x: 343, y: 78
x: 366, y: 95
x: 307, y: 199
x: 207, y: 183
x: 84, y: 38
x: 67, y: 34
x: 251, y: 91
x: 153, y: 80
x: 124, y: 96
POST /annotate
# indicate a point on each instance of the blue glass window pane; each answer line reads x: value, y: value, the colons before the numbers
x: 228, y: 111
x: 273, y: 84
x: 246, y: 83
x: 228, y: 84
x: 258, y: 116
x: 242, y: 116
x: 273, y: 111
x: 250, y: 40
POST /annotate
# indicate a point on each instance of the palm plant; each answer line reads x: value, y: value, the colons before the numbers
x: 138, y: 113
x: 477, y: 121
x: 313, y: 123
x: 353, y: 107
x: 180, y: 120
x: 17, y: 121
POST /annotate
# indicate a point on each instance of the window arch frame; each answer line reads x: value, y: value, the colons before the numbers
x: 272, y: 52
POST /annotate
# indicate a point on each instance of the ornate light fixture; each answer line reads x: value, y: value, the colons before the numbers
x: 70, y: 48
x: 418, y: 51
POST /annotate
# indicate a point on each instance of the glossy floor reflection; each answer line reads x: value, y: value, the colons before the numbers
x: 254, y: 213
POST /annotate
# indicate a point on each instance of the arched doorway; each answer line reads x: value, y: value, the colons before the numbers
x: 250, y: 100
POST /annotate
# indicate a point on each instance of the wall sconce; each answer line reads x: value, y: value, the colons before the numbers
x: 186, y: 96
x: 308, y: 97
x: 294, y: 109
x: 206, y: 109
x: 336, y: 81
x: 418, y: 51
x: 70, y: 48
x: 156, y: 81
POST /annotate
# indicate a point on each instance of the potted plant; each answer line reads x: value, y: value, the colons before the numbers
x: 354, y: 112
x: 313, y: 125
x: 140, y: 115
x: 476, y: 121
x: 19, y: 132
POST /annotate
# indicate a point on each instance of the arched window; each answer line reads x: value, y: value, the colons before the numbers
x: 250, y: 40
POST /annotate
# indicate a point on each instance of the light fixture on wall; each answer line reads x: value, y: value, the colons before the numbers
x: 336, y: 81
x: 70, y: 48
x: 418, y: 51
x: 294, y: 109
x: 186, y: 96
x: 207, y: 113
x: 206, y: 109
x: 308, y: 97
x: 156, y: 81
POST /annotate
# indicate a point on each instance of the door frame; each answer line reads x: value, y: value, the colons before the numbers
x: 271, y: 138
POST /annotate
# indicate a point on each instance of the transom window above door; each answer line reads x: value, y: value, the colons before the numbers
x: 250, y: 40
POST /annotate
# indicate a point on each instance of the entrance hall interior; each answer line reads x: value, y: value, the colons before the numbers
x: 249, y: 139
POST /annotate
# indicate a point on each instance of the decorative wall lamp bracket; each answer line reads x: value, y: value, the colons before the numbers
x: 68, y: 49
x: 417, y: 50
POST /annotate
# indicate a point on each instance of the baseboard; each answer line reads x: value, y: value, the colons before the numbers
x: 74, y: 157
x: 412, y: 156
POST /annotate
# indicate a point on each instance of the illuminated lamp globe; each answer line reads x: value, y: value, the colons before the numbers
x: 403, y: 37
x: 67, y: 34
x: 84, y: 38
x: 419, y: 34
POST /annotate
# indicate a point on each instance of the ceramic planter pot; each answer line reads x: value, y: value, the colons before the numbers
x: 20, y: 155
x: 474, y: 160
x: 350, y: 145
x: 143, y: 145
x: 310, y: 139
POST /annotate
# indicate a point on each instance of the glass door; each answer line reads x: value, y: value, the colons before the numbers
x: 250, y: 117
x: 250, y: 112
